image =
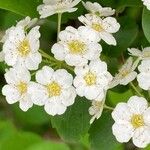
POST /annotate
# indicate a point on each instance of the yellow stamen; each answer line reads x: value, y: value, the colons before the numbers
x: 90, y: 78
x: 76, y: 47
x: 97, y: 27
x: 137, y: 121
x: 22, y: 88
x: 54, y: 89
x: 24, y: 48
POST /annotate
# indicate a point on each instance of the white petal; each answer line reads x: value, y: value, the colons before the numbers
x: 75, y: 60
x: 141, y: 137
x: 64, y: 78
x: 44, y: 76
x: 123, y: 133
x: 128, y: 78
x: 137, y: 105
x: 108, y: 38
x: 25, y: 103
x: 33, y: 61
x: 11, y: 58
x: 93, y: 51
x: 121, y: 113
x: 53, y: 106
x: 38, y: 93
x: 33, y: 38
x: 69, y: 96
x: 11, y: 93
x: 146, y: 117
x: 110, y: 25
x: 59, y: 51
x: 88, y: 34
x: 92, y: 92
x: 135, y: 52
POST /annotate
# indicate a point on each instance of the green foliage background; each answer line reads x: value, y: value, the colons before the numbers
x: 35, y: 130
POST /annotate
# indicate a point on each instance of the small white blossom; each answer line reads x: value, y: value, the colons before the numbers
x: 144, y: 76
x: 132, y: 120
x: 17, y: 88
x: 97, y: 9
x: 126, y: 73
x: 54, y: 90
x: 147, y: 3
x: 96, y: 110
x: 51, y: 7
x: 144, y: 54
x: 101, y: 28
x: 21, y: 48
x: 76, y: 46
x: 92, y: 80
x: 25, y: 23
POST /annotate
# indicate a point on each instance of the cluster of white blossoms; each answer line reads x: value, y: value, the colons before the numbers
x: 146, y: 3
x: 132, y: 120
x: 143, y: 77
x: 80, y: 48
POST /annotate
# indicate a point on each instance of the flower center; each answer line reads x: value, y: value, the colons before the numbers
x: 76, y: 47
x: 146, y: 54
x: 24, y: 48
x: 137, y: 121
x: 124, y: 73
x: 54, y: 89
x: 97, y: 27
x: 90, y: 78
x: 22, y: 88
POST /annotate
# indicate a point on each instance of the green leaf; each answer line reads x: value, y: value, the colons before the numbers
x: 34, y: 116
x: 74, y: 124
x: 115, y: 97
x: 21, y: 7
x: 101, y: 134
x: 49, y: 146
x: 146, y: 23
x: 129, y: 3
x: 124, y: 37
x: 20, y: 141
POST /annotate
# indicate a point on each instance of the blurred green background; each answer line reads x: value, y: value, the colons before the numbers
x: 35, y: 130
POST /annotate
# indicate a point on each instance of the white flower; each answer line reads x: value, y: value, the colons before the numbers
x: 101, y: 28
x: 126, y: 73
x: 17, y: 89
x: 144, y: 75
x: 76, y: 46
x: 51, y: 7
x: 96, y: 110
x: 54, y: 90
x: 147, y: 3
x: 132, y: 120
x: 22, y: 49
x: 25, y: 23
x: 97, y: 9
x: 92, y: 80
x: 144, y: 54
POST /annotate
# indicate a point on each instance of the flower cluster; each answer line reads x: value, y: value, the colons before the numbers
x: 80, y: 48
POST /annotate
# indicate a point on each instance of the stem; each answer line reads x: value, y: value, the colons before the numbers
x: 59, y: 25
x: 135, y: 89
x: 108, y: 107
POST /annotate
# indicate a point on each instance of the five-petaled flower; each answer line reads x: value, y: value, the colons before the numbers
x: 132, y: 120
x: 92, y: 80
x: 17, y: 88
x: 51, y: 7
x: 21, y: 48
x: 76, y: 46
x: 101, y: 28
x: 54, y: 90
